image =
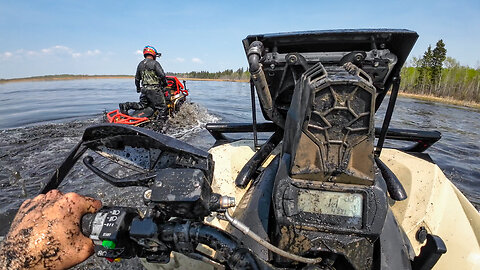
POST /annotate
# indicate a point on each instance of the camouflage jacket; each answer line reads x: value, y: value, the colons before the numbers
x: 151, y: 75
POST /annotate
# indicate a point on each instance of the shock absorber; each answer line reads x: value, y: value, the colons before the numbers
x: 254, y: 55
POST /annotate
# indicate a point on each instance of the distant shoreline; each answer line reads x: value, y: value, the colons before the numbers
x: 87, y: 77
x: 444, y: 100
x: 64, y: 77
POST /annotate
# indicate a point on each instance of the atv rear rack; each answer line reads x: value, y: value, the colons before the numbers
x: 116, y: 117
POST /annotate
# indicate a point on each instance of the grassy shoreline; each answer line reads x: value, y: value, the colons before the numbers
x: 430, y: 98
x: 444, y: 100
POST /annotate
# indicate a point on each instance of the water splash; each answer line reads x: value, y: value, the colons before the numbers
x: 189, y: 120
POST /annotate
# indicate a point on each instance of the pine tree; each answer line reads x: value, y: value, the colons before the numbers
x: 424, y: 69
x: 439, y: 55
x: 430, y: 67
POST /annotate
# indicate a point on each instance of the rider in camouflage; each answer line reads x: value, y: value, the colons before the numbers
x: 152, y: 77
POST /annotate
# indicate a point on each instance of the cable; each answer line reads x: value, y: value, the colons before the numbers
x: 245, y: 230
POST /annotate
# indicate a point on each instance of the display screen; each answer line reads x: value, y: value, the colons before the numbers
x: 330, y: 203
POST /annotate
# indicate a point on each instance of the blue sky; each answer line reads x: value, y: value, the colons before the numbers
x: 104, y: 37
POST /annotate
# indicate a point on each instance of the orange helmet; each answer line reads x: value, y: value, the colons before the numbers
x: 150, y: 50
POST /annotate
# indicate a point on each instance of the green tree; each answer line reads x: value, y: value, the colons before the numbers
x: 430, y: 68
x: 439, y: 55
x: 424, y: 69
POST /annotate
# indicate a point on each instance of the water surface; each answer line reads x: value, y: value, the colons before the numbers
x: 41, y: 121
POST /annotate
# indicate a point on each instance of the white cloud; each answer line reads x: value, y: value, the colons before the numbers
x: 93, y: 53
x: 138, y: 52
x: 180, y: 60
x: 57, y: 50
x: 197, y: 60
x: 9, y: 55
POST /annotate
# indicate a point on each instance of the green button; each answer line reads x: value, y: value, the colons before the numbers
x: 108, y: 244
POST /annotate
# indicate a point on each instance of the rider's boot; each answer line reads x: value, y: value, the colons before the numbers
x: 123, y: 108
x: 135, y: 105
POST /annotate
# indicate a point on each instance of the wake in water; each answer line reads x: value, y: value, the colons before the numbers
x: 189, y: 120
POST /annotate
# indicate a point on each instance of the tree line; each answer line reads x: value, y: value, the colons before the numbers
x: 432, y: 74
x: 438, y: 75
x: 228, y: 74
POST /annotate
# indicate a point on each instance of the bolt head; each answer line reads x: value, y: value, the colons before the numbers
x: 421, y: 234
x: 292, y: 59
x: 147, y: 194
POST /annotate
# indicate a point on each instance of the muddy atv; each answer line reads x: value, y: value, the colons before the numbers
x: 175, y: 95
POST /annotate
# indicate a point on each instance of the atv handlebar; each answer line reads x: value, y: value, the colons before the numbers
x: 120, y: 232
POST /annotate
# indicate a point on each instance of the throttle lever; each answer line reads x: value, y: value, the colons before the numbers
x: 141, y: 179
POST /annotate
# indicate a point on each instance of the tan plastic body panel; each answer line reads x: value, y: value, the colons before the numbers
x: 435, y: 203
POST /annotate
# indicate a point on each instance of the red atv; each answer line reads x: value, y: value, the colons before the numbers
x: 175, y: 95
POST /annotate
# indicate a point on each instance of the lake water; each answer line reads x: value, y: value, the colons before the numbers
x: 41, y: 121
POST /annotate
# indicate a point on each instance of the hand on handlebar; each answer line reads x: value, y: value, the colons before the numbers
x: 46, y: 233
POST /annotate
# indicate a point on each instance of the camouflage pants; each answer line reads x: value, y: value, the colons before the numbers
x: 150, y: 97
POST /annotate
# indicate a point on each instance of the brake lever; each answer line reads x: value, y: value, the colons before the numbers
x: 141, y: 179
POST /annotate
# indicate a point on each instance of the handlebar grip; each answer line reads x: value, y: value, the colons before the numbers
x: 87, y: 224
